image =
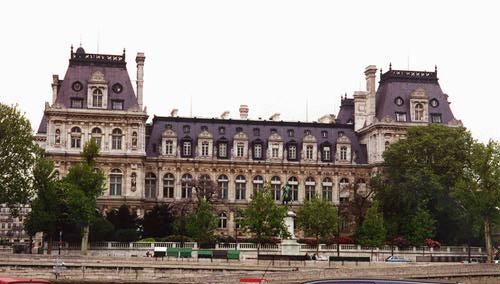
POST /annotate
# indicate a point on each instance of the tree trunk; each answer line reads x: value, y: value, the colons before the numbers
x: 487, y: 240
x: 317, y: 245
x: 85, y: 239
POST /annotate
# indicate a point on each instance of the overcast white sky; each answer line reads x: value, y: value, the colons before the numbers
x: 270, y: 55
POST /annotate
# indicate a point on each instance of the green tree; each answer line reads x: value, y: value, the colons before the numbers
x: 372, y: 232
x: 101, y: 229
x: 421, y: 171
x: 478, y: 192
x: 48, y: 208
x: 125, y: 223
x: 419, y: 227
x: 17, y: 156
x: 263, y: 217
x: 84, y: 184
x: 158, y: 222
x: 201, y: 224
x: 317, y: 218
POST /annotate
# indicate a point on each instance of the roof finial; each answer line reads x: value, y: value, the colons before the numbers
x: 71, y: 49
x: 390, y: 66
x: 124, y: 52
x: 345, y: 95
x: 380, y: 71
x: 435, y: 68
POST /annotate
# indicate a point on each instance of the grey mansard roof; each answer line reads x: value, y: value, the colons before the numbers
x: 159, y: 124
x: 81, y: 66
x: 397, y: 83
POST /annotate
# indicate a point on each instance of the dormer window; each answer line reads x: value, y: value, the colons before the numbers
x: 186, y: 149
x: 239, y: 129
x: 169, y: 147
x: 401, y: 116
x: 291, y: 133
x: 343, y: 153
x: 97, y: 98
x: 257, y: 151
x: 436, y: 118
x: 222, y: 130
x: 222, y: 150
x: 292, y: 152
x: 273, y: 130
x: 186, y: 129
x: 307, y: 132
x: 240, y: 147
x: 76, y: 103
x: 275, y: 150
x: 434, y: 103
x: 399, y: 101
x: 117, y: 104
x: 327, y: 154
x: 309, y: 152
x: 324, y: 134
x: 419, y: 112
x: 204, y: 148
x: 204, y: 128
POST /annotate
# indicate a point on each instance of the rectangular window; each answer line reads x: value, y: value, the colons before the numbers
x: 118, y: 105
x: 223, y: 150
x: 324, y: 134
x: 401, y: 116
x: 239, y: 150
x: 257, y: 151
x: 309, y: 152
x: 168, y: 187
x: 186, y: 149
x: 436, y: 118
x: 204, y: 149
x: 240, y: 191
x: 76, y: 103
x: 292, y: 152
x: 169, y: 147
x: 275, y: 151
x: 256, y: 132
x: 326, y: 153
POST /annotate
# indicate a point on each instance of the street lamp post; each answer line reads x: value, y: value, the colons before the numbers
x: 338, y: 230
x: 60, y: 241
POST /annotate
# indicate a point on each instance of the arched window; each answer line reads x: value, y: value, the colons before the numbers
x: 115, y: 182
x: 327, y: 189
x: 310, y: 188
x: 276, y: 187
x: 168, y: 185
x: 419, y: 112
x: 309, y: 152
x: 222, y: 220
x: 186, y: 187
x: 116, y: 139
x: 240, y: 193
x: 204, y: 183
x: 294, y: 188
x: 223, y: 183
x: 343, y: 153
x: 76, y: 137
x: 97, y: 98
x: 97, y: 135
x: 150, y: 186
x: 344, y: 183
x: 58, y: 136
x: 258, y: 183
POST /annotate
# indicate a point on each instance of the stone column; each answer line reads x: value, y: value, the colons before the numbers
x: 140, y: 76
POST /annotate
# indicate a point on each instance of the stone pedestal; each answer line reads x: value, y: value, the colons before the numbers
x: 290, y: 246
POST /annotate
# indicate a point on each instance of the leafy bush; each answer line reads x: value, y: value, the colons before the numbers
x: 226, y: 239
x: 175, y: 238
x: 400, y: 242
x: 264, y: 241
x: 432, y: 243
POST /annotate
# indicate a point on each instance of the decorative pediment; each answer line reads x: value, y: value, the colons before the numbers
x: 275, y: 137
x: 309, y: 139
x: 169, y: 133
x: 343, y: 140
x: 205, y: 135
x: 97, y: 77
x: 240, y: 136
x: 419, y: 93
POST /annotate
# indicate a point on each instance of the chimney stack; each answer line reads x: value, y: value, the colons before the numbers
x: 275, y: 117
x: 139, y: 59
x: 55, y: 86
x: 370, y: 75
x: 174, y: 112
x: 225, y: 115
x: 243, y: 111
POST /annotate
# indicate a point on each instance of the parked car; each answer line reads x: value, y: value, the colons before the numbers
x: 373, y: 281
x: 395, y: 258
x: 13, y: 280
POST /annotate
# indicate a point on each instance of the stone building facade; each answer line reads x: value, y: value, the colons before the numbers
x: 151, y: 163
